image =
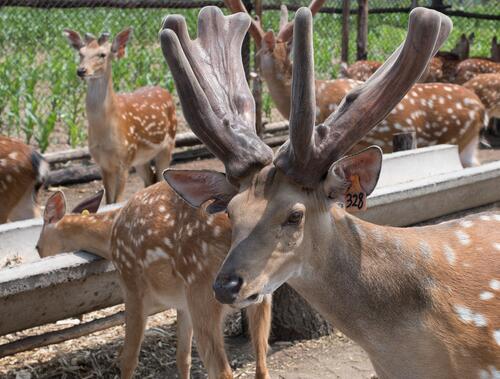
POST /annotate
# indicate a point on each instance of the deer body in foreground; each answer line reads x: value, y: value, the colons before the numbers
x: 423, y: 302
x: 438, y: 112
x: 487, y: 88
x: 22, y: 173
x: 125, y: 129
x: 167, y: 255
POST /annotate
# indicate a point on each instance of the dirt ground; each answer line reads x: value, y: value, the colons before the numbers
x: 95, y: 356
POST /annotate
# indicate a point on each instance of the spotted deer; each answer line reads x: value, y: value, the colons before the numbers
x: 22, y: 173
x: 125, y: 129
x: 423, y: 301
x: 469, y: 68
x: 487, y: 88
x: 167, y: 255
x: 362, y: 70
x: 439, y: 113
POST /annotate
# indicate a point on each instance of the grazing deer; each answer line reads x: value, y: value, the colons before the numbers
x: 22, y: 172
x: 438, y: 112
x: 487, y: 88
x: 167, y: 255
x: 125, y: 129
x: 423, y: 302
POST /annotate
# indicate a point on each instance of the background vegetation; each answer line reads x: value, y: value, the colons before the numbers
x: 40, y: 92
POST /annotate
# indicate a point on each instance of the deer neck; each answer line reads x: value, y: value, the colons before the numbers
x: 91, y: 233
x: 278, y: 80
x: 100, y: 99
x: 362, y: 277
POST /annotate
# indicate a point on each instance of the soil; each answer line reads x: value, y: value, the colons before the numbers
x: 95, y: 356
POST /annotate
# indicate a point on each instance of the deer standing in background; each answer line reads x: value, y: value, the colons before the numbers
x: 167, y: 255
x: 487, y: 88
x: 423, y: 302
x: 469, y: 68
x: 22, y: 172
x: 438, y: 113
x: 125, y: 129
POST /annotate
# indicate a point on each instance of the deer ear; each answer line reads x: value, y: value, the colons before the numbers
x: 197, y: 187
x: 55, y: 208
x: 74, y: 39
x: 269, y: 40
x: 472, y: 36
x: 91, y: 204
x: 120, y: 42
x: 364, y: 165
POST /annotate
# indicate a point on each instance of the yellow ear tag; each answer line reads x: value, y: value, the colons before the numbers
x: 355, y: 197
x: 85, y: 212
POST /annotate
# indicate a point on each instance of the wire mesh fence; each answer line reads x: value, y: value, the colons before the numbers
x: 41, y: 96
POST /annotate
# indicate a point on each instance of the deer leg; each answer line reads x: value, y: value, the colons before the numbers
x: 207, y: 316
x: 146, y: 173
x: 184, y: 340
x: 162, y: 161
x: 25, y: 207
x: 259, y: 322
x: 468, y: 156
x: 135, y: 323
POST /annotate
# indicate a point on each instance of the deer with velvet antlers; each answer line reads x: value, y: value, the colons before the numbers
x: 438, y: 112
x: 167, y: 255
x: 125, y: 129
x: 423, y: 302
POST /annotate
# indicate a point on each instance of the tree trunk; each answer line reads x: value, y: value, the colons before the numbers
x: 294, y: 319
x: 361, y: 44
x: 346, y: 7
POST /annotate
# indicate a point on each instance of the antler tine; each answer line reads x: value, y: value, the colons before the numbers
x: 303, y: 111
x: 365, y: 106
x: 211, y: 84
x: 255, y: 30
x: 286, y: 31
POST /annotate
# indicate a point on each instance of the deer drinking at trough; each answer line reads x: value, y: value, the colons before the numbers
x: 439, y: 113
x: 22, y: 172
x: 423, y: 302
x: 125, y: 129
x: 167, y: 255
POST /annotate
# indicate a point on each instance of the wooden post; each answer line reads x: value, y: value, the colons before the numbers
x: 257, y: 81
x: 346, y: 8
x: 404, y: 141
x: 362, y: 38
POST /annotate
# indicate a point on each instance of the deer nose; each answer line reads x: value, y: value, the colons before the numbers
x: 227, y: 287
x: 81, y: 72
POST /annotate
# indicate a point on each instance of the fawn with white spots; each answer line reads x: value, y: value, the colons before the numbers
x: 423, y: 302
x: 469, y: 68
x: 125, y: 129
x: 167, y: 255
x: 22, y: 172
x: 439, y: 113
x: 487, y: 88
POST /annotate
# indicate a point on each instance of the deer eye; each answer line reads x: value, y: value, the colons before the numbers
x: 294, y: 218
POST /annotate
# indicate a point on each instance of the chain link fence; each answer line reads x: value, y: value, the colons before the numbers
x: 42, y: 100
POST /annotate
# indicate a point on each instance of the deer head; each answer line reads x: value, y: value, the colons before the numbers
x: 279, y: 208
x: 52, y: 238
x: 462, y: 48
x: 96, y: 54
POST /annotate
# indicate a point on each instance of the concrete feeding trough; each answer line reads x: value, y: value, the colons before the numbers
x: 414, y: 186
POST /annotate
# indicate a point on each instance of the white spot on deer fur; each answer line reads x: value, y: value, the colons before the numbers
x: 168, y: 243
x: 161, y: 208
x: 495, y: 284
x: 466, y: 223
x: 400, y: 107
x: 449, y: 254
x: 486, y: 295
x: 496, y: 245
x: 496, y: 336
x: 204, y: 247
x: 446, y: 88
x: 425, y: 249
x: 468, y: 316
x: 463, y: 237
x: 441, y: 100
x: 13, y: 155
x: 449, y: 110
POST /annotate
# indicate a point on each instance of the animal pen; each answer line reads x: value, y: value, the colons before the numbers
x: 41, y: 102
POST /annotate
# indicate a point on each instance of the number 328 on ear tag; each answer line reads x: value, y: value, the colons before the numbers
x: 355, y: 197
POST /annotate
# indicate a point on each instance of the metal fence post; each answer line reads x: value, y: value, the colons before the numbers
x: 257, y: 80
x: 362, y: 37
x: 346, y: 7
